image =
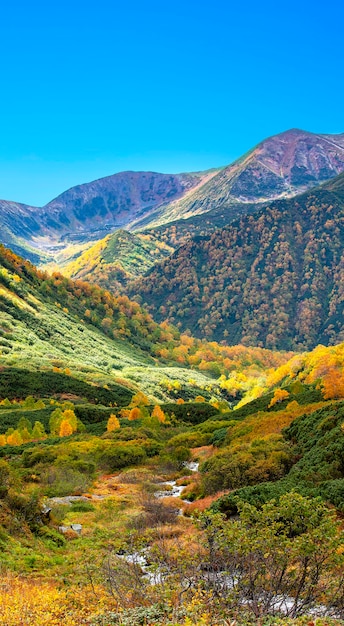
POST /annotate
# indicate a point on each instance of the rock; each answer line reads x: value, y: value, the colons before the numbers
x: 76, y: 528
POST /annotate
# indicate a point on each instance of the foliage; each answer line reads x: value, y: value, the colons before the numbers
x: 246, y: 464
x: 271, y: 279
x: 286, y: 557
x: 113, y: 423
x: 193, y: 413
x: 316, y: 442
x: 18, y: 383
x: 119, y: 257
x: 279, y: 396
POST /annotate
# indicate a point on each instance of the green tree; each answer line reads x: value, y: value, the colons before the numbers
x: 38, y: 431
x: 284, y: 557
x: 24, y: 423
x: 55, y: 421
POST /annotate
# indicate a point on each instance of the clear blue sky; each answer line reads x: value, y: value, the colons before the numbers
x: 92, y: 88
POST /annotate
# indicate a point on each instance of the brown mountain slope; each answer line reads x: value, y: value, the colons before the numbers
x: 90, y: 211
x: 94, y: 209
x: 281, y: 166
x: 273, y: 279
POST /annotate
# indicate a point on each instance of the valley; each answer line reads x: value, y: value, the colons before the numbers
x: 172, y: 396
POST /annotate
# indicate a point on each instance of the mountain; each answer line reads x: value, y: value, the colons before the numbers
x: 19, y: 226
x: 281, y: 166
x: 273, y: 279
x: 116, y: 259
x: 92, y: 210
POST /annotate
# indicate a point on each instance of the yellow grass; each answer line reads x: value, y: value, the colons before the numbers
x: 26, y: 602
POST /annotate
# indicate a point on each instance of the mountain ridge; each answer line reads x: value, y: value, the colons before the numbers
x: 280, y: 166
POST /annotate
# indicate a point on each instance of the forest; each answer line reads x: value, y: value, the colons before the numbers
x: 271, y: 279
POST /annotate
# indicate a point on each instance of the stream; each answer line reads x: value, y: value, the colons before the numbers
x: 140, y: 558
x: 223, y: 580
x: 176, y: 490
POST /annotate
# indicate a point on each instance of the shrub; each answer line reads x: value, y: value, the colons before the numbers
x: 121, y: 455
x: 81, y: 507
x: 192, y: 412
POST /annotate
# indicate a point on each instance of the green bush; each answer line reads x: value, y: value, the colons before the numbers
x: 20, y: 383
x: 191, y: 412
x: 119, y: 456
x: 81, y: 507
x: 52, y: 535
x: 189, y: 440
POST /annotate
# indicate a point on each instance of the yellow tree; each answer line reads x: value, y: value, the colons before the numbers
x: 333, y: 384
x: 159, y: 414
x: 139, y: 399
x: 279, y: 396
x: 135, y: 414
x: 66, y: 429
x: 113, y: 423
x: 70, y: 416
x: 15, y: 439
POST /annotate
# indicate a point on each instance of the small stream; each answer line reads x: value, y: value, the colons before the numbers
x: 140, y: 558
x: 176, y: 490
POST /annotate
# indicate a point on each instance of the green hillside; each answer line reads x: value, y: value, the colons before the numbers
x: 116, y: 259
x: 53, y: 322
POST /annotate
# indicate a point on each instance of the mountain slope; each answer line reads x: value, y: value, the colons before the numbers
x: 273, y: 279
x: 18, y: 226
x: 90, y: 211
x: 280, y: 166
x: 116, y: 259
x: 49, y: 323
x: 94, y: 209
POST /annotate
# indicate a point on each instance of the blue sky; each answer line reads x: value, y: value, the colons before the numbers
x: 92, y: 88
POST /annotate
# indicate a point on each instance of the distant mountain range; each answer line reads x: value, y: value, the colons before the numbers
x: 272, y: 279
x: 281, y: 166
x: 89, y: 212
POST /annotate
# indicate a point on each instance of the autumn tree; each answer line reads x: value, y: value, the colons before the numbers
x: 66, y: 428
x: 139, y: 399
x: 333, y: 384
x: 113, y: 423
x: 15, y: 439
x: 159, y: 414
x: 135, y: 414
x: 56, y: 419
x: 279, y: 396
